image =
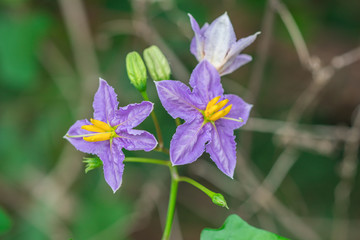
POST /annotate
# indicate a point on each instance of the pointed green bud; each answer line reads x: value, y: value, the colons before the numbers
x: 157, y: 64
x: 136, y: 71
x: 219, y: 200
x: 92, y: 163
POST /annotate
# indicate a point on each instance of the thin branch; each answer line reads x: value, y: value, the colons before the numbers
x: 346, y: 59
x: 86, y: 63
x: 347, y: 175
x: 295, y: 34
x: 262, y: 52
x: 82, y: 46
x: 319, y: 131
x: 60, y: 71
x: 139, y: 219
x: 321, y: 77
x: 150, y: 34
x: 273, y: 180
x: 67, y: 168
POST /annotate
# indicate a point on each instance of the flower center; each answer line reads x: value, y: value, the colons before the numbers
x: 101, y: 131
x: 214, y: 109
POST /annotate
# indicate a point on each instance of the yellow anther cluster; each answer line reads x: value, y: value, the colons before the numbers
x: 213, y: 110
x: 103, y: 131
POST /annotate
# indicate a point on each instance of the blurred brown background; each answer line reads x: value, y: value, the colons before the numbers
x: 297, y: 172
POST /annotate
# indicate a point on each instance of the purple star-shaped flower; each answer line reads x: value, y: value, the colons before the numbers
x: 210, y: 118
x: 217, y: 44
x: 111, y: 130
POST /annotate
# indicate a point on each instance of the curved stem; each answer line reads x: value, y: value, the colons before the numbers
x: 172, y: 201
x: 156, y: 122
x: 147, y: 160
x: 197, y: 185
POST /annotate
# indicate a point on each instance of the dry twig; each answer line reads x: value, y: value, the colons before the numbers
x: 347, y: 174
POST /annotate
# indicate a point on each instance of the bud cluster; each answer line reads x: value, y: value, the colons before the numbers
x: 156, y: 63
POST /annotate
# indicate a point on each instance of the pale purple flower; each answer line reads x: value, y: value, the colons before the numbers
x: 210, y: 118
x: 111, y: 130
x: 216, y: 42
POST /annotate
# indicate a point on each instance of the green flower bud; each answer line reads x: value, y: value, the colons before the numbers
x: 157, y: 64
x: 219, y: 200
x: 92, y: 163
x: 136, y: 71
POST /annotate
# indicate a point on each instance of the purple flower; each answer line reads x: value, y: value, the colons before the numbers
x: 217, y: 44
x: 210, y: 118
x: 111, y: 130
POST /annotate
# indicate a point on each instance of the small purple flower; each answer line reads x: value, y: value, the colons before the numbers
x: 210, y: 118
x: 111, y: 130
x: 217, y: 44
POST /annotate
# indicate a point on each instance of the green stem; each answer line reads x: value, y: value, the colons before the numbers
x: 216, y: 198
x: 147, y: 160
x: 197, y: 185
x: 156, y: 122
x: 172, y: 201
x: 163, y: 150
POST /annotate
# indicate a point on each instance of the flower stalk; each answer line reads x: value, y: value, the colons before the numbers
x: 156, y: 123
x: 147, y: 160
x: 172, y: 202
x: 217, y: 198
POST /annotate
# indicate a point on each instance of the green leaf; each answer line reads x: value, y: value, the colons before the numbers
x: 235, y: 228
x: 5, y: 222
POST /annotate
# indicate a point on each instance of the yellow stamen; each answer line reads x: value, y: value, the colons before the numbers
x: 216, y: 107
x: 98, y: 137
x: 222, y: 103
x: 92, y: 128
x: 212, y: 103
x: 220, y: 114
x: 101, y: 124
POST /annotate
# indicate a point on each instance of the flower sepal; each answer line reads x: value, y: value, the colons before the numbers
x: 92, y: 163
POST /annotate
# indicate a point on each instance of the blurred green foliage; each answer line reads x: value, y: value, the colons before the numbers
x: 5, y: 222
x: 21, y: 38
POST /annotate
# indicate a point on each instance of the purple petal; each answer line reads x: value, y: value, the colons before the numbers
x: 219, y: 37
x: 188, y: 143
x: 234, y: 64
x: 132, y: 115
x: 205, y: 81
x: 240, y: 109
x: 222, y: 149
x: 240, y: 45
x: 133, y: 140
x: 178, y: 100
x: 112, y: 159
x: 197, y: 43
x: 79, y: 143
x: 105, y: 102
x: 204, y: 28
